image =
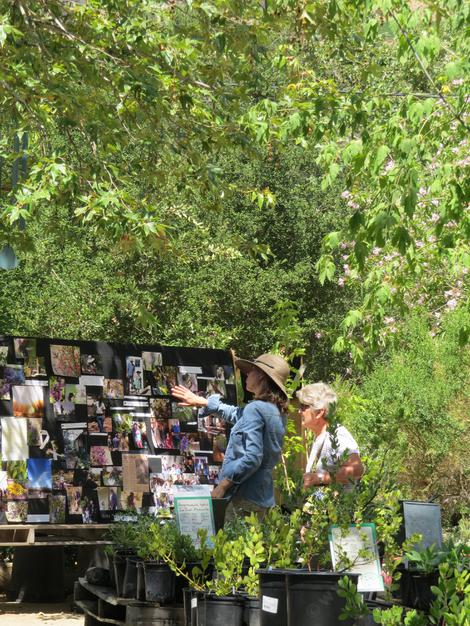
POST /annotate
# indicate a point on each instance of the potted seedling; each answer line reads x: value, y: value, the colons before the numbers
x: 124, y: 544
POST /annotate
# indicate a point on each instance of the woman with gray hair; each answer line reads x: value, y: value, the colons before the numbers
x: 317, y: 407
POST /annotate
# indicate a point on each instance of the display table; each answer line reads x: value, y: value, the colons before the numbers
x: 38, y: 573
x: 101, y: 605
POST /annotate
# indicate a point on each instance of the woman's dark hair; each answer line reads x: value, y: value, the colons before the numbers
x: 270, y: 392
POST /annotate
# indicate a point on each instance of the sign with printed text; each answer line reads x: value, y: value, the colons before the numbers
x: 193, y: 513
x: 358, y: 546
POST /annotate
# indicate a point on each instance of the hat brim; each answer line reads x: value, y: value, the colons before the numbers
x: 246, y: 366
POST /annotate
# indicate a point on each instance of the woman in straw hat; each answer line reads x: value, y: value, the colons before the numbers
x: 255, y: 443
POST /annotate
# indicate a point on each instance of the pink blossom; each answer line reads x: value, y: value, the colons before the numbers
x: 343, y: 245
x: 318, y: 335
x: 419, y: 244
x: 353, y: 205
x: 435, y: 217
x: 376, y: 251
x: 451, y: 304
x: 389, y: 166
x: 458, y: 81
x: 346, y: 194
x: 347, y: 269
x: 341, y: 282
x: 388, y: 320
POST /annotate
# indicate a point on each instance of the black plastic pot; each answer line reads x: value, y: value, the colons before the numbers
x: 140, y: 594
x: 159, y: 582
x: 312, y: 598
x: 368, y: 620
x: 273, y: 598
x: 251, y: 612
x: 219, y: 506
x: 119, y: 561
x: 190, y: 602
x: 129, y: 586
x: 422, y: 594
x: 181, y: 582
x: 220, y: 610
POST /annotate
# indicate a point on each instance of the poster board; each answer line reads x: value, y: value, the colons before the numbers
x: 89, y: 429
x: 359, y: 546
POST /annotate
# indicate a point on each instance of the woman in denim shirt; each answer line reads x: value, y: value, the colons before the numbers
x: 256, y: 439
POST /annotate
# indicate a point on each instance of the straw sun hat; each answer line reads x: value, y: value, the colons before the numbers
x: 272, y: 365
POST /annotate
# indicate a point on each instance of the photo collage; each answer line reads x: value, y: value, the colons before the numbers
x: 89, y: 429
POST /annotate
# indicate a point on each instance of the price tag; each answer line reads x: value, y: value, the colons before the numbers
x: 194, y: 603
x: 269, y: 604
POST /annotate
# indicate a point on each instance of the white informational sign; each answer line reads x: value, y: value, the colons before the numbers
x: 193, y: 513
x: 357, y: 545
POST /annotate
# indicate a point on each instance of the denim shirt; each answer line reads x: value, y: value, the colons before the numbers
x: 254, y: 447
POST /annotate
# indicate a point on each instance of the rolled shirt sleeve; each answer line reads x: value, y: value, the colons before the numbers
x: 227, y: 412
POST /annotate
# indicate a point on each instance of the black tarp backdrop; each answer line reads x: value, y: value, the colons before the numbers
x: 76, y: 444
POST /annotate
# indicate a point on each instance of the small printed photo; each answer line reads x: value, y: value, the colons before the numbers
x: 91, y: 364
x: 74, y: 435
x: 152, y: 360
x: 131, y: 501
x: 165, y: 379
x: 3, y: 355
x: 220, y: 445
x: 13, y: 374
x: 109, y: 498
x: 62, y: 479
x: 57, y: 509
x: 160, y: 408
x: 28, y: 401
x: 134, y: 375
x: 138, y: 438
x: 112, y: 476
x: 190, y: 479
x: 90, y: 512
x: 113, y: 388
x: 39, y: 473
x: 214, y: 385
x: 163, y: 433
x: 75, y: 393
x: 187, y: 379
x: 35, y: 366
x: 24, y: 347
x: 65, y: 360
x: 185, y: 414
x: 135, y: 472
x: 201, y: 466
x: 57, y: 393
x: 120, y: 442
x: 5, y: 390
x: 16, y: 489
x: 100, y: 456
x: 34, y: 427
x: 74, y: 500
x: 211, y: 424
x: 99, y: 419
x: 17, y: 511
x: 172, y: 466
x: 225, y: 373
x: 162, y: 491
x: 214, y: 473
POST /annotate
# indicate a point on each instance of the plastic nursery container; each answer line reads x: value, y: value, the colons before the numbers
x: 220, y: 610
x: 312, y: 598
x: 159, y: 582
x: 273, y: 597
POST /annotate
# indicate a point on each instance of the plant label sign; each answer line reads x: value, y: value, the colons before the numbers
x: 193, y: 513
x: 355, y: 550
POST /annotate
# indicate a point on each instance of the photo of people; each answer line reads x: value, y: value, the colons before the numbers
x: 74, y: 500
x: 57, y: 393
x: 5, y: 389
x: 91, y: 364
x: 225, y: 373
x: 57, y: 509
x: 162, y: 491
x: 65, y: 360
x: 211, y: 424
x: 134, y: 375
x: 151, y: 360
x: 99, y: 419
x: 61, y: 479
x: 113, y: 388
x: 201, y: 466
x: 186, y: 415
x: 131, y: 501
x: 109, y: 498
x: 76, y: 393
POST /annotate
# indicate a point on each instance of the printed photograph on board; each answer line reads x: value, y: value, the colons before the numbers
x: 91, y: 364
x: 134, y: 375
x: 65, y: 360
x: 28, y: 401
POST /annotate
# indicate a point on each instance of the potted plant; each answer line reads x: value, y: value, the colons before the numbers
x: 124, y: 544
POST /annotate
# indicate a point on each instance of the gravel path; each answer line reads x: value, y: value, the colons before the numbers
x: 26, y: 614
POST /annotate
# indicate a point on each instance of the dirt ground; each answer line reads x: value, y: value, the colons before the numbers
x: 36, y: 614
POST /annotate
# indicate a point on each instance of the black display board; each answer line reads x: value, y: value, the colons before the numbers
x: 423, y: 518
x: 89, y: 429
